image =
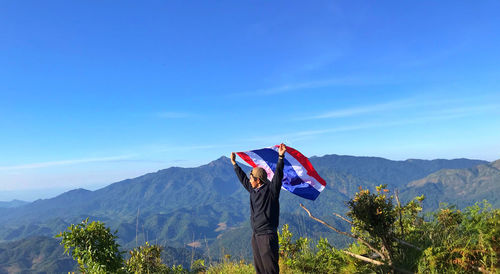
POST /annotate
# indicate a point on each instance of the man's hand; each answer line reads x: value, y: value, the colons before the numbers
x: 282, y: 149
x: 233, y: 158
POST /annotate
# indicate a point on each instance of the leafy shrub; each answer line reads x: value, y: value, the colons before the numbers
x: 93, y: 246
x: 462, y: 241
x: 396, y: 238
x: 95, y: 249
x: 373, y: 212
x: 298, y: 255
x: 146, y: 259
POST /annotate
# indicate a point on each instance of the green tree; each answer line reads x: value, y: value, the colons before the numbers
x: 394, y: 230
x: 93, y: 246
x: 395, y: 238
x: 374, y: 214
x: 95, y: 249
x: 146, y: 259
x: 381, y: 227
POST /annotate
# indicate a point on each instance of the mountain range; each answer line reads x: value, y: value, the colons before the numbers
x: 461, y: 187
x: 13, y: 203
x: 205, y: 207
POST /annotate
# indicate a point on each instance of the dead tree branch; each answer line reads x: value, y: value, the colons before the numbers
x: 362, y: 241
x: 342, y: 217
x: 363, y: 258
x: 344, y: 233
x: 396, y: 239
x: 400, y: 214
x: 375, y: 262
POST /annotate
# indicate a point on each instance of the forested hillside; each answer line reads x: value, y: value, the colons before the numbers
x: 205, y: 207
x: 461, y: 187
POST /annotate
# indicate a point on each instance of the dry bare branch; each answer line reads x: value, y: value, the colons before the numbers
x: 375, y: 262
x: 400, y: 214
x: 396, y: 239
x: 363, y: 258
x: 342, y: 217
x: 343, y: 233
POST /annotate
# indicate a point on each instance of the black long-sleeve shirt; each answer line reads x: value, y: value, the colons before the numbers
x: 264, y: 201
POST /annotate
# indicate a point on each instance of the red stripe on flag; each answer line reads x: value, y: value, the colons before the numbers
x: 245, y: 158
x: 306, y: 164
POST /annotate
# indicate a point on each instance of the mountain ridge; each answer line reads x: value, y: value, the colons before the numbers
x: 461, y: 185
x: 12, y: 203
x: 177, y: 206
x: 215, y: 187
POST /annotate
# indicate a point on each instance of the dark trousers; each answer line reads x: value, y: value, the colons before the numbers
x: 265, y: 253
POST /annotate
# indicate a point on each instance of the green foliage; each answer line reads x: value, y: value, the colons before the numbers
x: 327, y: 258
x: 450, y: 241
x: 93, y: 246
x: 386, y: 226
x: 198, y: 266
x: 229, y: 267
x: 176, y: 269
x: 354, y: 265
x: 372, y: 212
x: 146, y: 259
x: 95, y: 249
x: 298, y: 255
x: 462, y: 241
x: 291, y: 251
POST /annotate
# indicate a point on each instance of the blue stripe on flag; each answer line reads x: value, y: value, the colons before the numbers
x: 268, y: 155
x: 291, y: 181
x: 308, y: 192
x: 271, y: 157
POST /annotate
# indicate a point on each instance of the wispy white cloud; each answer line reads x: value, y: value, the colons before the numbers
x: 340, y: 81
x: 65, y: 162
x: 445, y: 105
x: 305, y: 85
x: 436, y: 115
x: 300, y: 135
x: 362, y: 110
x: 468, y: 110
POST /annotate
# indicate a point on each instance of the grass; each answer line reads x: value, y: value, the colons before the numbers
x: 241, y: 267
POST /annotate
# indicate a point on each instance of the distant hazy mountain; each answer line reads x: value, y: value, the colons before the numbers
x: 173, y: 205
x: 207, y: 206
x: 13, y: 203
x: 35, y: 255
x: 42, y: 254
x: 461, y: 187
x: 382, y: 171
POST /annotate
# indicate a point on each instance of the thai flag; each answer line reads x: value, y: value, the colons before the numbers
x: 300, y: 178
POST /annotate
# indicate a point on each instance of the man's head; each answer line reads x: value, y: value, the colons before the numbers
x: 258, y: 176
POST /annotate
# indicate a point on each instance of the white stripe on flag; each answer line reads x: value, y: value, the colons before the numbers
x: 301, y: 172
x: 261, y: 163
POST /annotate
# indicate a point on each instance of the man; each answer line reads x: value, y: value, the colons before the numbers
x: 265, y: 211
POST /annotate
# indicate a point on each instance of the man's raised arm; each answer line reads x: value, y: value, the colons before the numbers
x: 278, y: 173
x: 239, y: 172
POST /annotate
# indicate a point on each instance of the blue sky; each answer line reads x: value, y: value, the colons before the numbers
x: 93, y: 92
